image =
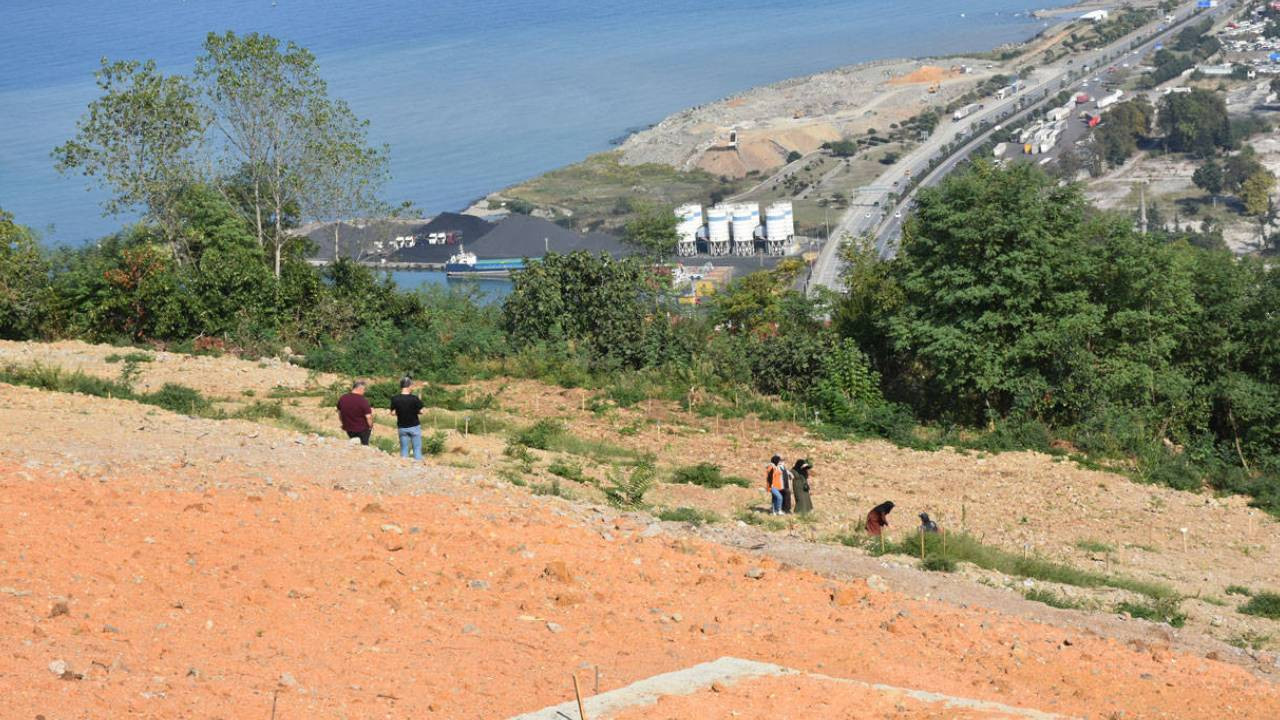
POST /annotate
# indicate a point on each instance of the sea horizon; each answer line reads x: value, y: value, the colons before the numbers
x: 471, y: 98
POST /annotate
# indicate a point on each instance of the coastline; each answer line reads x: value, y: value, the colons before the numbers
x: 811, y: 123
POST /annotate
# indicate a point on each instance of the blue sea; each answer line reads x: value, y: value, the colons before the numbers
x: 470, y: 96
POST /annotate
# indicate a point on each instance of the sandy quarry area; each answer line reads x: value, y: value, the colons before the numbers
x: 157, y: 565
x: 800, y: 114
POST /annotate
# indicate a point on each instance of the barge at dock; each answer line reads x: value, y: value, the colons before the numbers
x: 466, y: 264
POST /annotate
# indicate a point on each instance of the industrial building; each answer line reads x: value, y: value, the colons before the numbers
x: 736, y: 229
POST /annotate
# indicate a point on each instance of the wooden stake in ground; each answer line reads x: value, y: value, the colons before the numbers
x: 577, y: 694
x: 1184, y: 540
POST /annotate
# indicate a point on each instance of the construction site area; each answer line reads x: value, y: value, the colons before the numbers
x: 241, y: 561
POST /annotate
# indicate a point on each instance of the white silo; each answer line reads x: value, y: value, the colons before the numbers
x: 779, y: 227
x: 689, y: 222
x: 718, y: 230
x: 745, y: 218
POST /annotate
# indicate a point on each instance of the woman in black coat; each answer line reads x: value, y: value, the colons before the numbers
x: 800, y: 486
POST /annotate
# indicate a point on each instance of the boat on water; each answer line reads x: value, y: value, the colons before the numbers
x: 466, y: 264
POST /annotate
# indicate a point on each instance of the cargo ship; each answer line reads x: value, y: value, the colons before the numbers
x: 466, y: 264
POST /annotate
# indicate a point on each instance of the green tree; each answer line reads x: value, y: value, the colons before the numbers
x: 1208, y: 177
x: 137, y: 140
x: 652, y: 232
x: 24, y: 281
x: 1126, y: 124
x: 602, y: 305
x: 1195, y: 122
x: 279, y: 126
x: 1256, y: 193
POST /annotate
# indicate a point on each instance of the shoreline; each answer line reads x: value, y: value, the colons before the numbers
x: 629, y: 136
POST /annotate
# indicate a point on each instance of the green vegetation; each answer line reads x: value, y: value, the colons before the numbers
x: 1051, y: 598
x: 961, y: 547
x: 693, y: 516
x: 538, y: 435
x: 1094, y: 546
x: 1250, y: 640
x: 1239, y: 590
x: 1263, y: 604
x: 552, y: 489
x: 627, y: 490
x: 171, y: 396
x: 132, y: 357
x: 600, y: 193
x: 938, y: 563
x: 706, y: 475
x: 1164, y: 610
x: 434, y: 443
x: 768, y: 522
x: 567, y: 470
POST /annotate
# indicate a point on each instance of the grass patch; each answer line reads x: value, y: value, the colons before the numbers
x: 706, y: 475
x: 768, y: 522
x: 273, y: 413
x: 1250, y: 640
x: 1164, y: 610
x: 1051, y: 598
x: 693, y: 516
x: 552, y: 489
x: 1263, y: 604
x: 171, y: 396
x: 133, y: 357
x: 1239, y: 590
x: 938, y: 563
x: 567, y: 470
x: 1094, y: 546
x: 964, y: 547
x: 385, y: 444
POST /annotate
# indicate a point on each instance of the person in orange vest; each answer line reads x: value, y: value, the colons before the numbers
x: 775, y: 482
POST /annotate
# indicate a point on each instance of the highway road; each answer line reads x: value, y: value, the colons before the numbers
x: 884, y: 219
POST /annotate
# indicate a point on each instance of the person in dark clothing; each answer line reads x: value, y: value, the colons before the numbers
x: 355, y: 413
x: 788, y: 481
x: 878, y: 518
x: 926, y: 524
x: 800, y: 486
x: 407, y: 408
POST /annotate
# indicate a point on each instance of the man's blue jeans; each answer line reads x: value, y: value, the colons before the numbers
x: 777, y: 499
x: 411, y: 435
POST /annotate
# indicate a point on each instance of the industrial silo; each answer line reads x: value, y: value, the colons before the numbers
x: 745, y: 218
x: 689, y: 222
x: 718, y: 230
x: 779, y: 227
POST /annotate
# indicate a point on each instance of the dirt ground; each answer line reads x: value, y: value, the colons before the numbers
x: 161, y: 566
x: 197, y: 558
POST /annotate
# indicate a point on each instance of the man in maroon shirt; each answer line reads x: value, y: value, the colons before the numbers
x: 355, y: 413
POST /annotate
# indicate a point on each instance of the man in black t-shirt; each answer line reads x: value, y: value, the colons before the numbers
x: 407, y: 408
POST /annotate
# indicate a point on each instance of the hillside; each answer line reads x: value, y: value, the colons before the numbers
x: 189, y: 566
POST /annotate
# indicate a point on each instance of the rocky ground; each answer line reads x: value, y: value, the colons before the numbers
x: 157, y: 565
x: 800, y: 114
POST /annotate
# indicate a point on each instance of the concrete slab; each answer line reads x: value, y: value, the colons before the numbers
x: 728, y: 671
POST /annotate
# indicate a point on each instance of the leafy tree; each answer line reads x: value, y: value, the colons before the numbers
x: 137, y: 140
x: 652, y: 232
x: 1126, y: 124
x: 1240, y: 167
x: 24, y: 281
x: 1256, y: 193
x: 280, y: 129
x: 1208, y: 177
x: 1195, y: 122
x: 602, y: 305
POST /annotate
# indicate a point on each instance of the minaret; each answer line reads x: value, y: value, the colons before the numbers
x: 1142, y: 214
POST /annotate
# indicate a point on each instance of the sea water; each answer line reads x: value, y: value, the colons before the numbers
x: 470, y: 96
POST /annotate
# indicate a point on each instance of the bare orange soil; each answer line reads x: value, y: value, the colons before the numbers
x: 158, y: 566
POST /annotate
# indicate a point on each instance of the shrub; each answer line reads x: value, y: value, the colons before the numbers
x: 1239, y: 590
x: 433, y: 444
x: 693, y: 516
x: 553, y: 489
x: 628, y: 491
x: 1263, y: 604
x: 538, y: 435
x: 180, y: 399
x: 938, y: 563
x: 1094, y: 546
x: 1163, y: 610
x: 566, y: 470
x: 706, y: 475
x: 1051, y: 598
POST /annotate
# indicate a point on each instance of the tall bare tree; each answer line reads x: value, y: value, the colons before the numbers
x: 343, y: 175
